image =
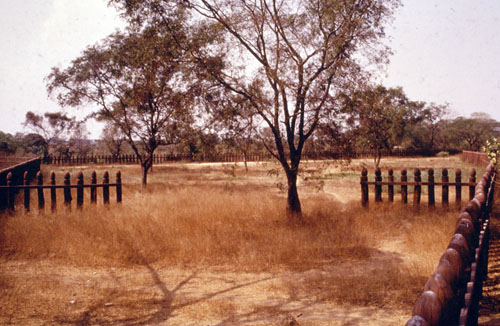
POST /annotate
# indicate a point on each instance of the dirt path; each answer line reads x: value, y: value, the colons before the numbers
x: 490, y: 305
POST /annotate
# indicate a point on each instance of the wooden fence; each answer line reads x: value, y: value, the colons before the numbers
x: 476, y: 158
x: 17, y: 176
x: 10, y: 190
x: 451, y: 295
x: 417, y: 185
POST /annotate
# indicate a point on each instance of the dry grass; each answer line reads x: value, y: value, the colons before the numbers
x: 206, y: 217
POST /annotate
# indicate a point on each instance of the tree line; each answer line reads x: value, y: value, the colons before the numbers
x: 282, y: 75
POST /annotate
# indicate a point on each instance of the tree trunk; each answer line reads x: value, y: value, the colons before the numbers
x: 245, y: 159
x: 293, y: 208
x: 377, y: 158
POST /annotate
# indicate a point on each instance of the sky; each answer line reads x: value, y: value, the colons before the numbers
x: 444, y: 51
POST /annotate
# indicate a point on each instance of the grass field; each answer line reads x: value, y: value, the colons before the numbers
x: 208, y: 244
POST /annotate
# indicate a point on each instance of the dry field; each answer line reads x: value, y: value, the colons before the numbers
x: 208, y: 244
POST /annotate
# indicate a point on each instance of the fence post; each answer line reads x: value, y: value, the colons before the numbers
x: 11, y: 193
x: 105, y: 188
x: 67, y: 191
x: 458, y: 188
x: 378, y: 187
x: 41, y: 199
x: 445, y: 181
x: 430, y: 188
x: 472, y: 181
x: 418, y: 188
x: 26, y: 182
x: 93, y: 188
x: 53, y: 198
x: 404, y: 188
x: 390, y: 187
x: 79, y: 191
x: 364, y: 187
x: 118, y: 187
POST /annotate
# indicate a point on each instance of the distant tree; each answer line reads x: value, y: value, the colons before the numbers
x: 288, y: 59
x: 427, y: 134
x: 379, y: 117
x: 113, y: 139
x: 54, y: 127
x: 471, y: 133
x: 140, y: 81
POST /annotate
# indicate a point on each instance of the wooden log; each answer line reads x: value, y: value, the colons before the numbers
x: 458, y: 188
x: 93, y: 188
x: 429, y: 308
x: 416, y: 321
x: 26, y: 182
x: 364, y: 187
x: 79, y: 191
x: 445, y: 187
x: 404, y: 188
x: 105, y: 188
x: 417, y: 188
x: 430, y: 188
x: 53, y: 198
x: 459, y: 243
x: 439, y: 285
x: 41, y: 199
x: 390, y: 187
x: 378, y: 187
x: 118, y: 187
x: 452, y: 258
x: 67, y: 191
x: 472, y: 179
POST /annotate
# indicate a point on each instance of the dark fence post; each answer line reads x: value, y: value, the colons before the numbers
x: 445, y: 191
x: 105, y: 188
x: 430, y: 188
x: 364, y: 187
x: 418, y: 188
x: 53, y: 198
x: 67, y: 190
x: 79, y: 191
x: 118, y: 187
x: 390, y: 187
x: 458, y: 188
x: 93, y: 188
x: 41, y: 199
x: 378, y: 187
x: 404, y: 187
x: 472, y: 181
x: 26, y: 182
x: 11, y: 193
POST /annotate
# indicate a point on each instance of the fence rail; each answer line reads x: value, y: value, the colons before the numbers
x: 417, y: 185
x: 17, y: 174
x: 9, y: 192
x: 451, y: 295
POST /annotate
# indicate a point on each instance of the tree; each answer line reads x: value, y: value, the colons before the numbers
x: 55, y: 127
x: 379, y: 117
x: 286, y: 58
x: 113, y: 138
x: 140, y: 81
x: 471, y: 133
x: 427, y: 134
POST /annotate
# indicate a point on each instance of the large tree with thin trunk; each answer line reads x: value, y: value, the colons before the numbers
x: 139, y: 80
x: 287, y: 58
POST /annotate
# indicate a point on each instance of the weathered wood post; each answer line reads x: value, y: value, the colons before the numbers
x: 26, y: 182
x: 430, y: 189
x: 390, y: 187
x: 41, y: 199
x: 417, y: 189
x: 378, y: 186
x: 445, y: 180
x: 364, y: 187
x: 53, y: 198
x: 404, y: 186
x: 11, y: 193
x: 458, y: 188
x: 67, y: 191
x: 118, y: 187
x: 93, y: 188
x: 472, y: 182
x: 105, y: 188
x: 79, y: 191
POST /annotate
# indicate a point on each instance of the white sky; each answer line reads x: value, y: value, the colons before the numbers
x: 445, y: 51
